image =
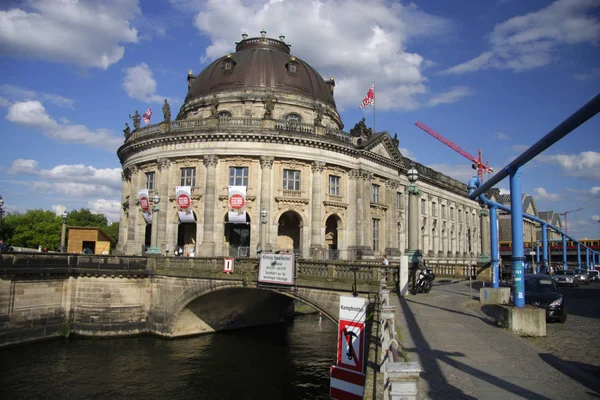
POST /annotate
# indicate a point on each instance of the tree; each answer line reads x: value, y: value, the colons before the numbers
x: 32, y: 229
x: 112, y: 230
x: 84, y: 217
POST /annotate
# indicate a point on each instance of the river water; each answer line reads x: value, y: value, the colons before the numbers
x: 284, y: 361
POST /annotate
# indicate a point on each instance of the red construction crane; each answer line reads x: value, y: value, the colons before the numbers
x: 477, y: 162
x: 565, y: 215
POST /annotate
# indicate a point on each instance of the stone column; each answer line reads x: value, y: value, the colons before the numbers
x: 207, y: 248
x: 484, y: 226
x: 316, y: 242
x: 134, y: 244
x: 125, y: 206
x: 391, y: 220
x: 366, y: 215
x: 414, y: 196
x: 164, y: 167
x: 266, y: 165
x: 352, y: 228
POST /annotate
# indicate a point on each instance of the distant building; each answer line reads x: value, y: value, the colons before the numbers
x: 85, y: 237
x: 505, y: 218
x: 264, y: 120
x: 551, y: 218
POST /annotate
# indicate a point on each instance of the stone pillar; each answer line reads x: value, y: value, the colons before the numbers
x: 125, y: 206
x: 484, y: 226
x: 133, y: 243
x: 266, y: 165
x: 414, y: 196
x: 316, y: 242
x: 352, y: 195
x: 207, y: 248
x: 366, y: 243
x: 164, y: 167
x: 391, y: 220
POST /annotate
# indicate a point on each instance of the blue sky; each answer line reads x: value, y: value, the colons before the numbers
x: 489, y: 75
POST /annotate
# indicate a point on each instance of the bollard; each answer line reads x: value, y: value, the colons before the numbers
x: 401, y: 380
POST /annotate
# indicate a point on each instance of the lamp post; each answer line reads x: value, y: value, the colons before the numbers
x: 413, y: 253
x: 263, y: 221
x: 1, y: 214
x: 63, y: 233
x: 153, y: 249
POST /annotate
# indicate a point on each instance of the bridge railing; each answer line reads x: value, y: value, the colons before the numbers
x: 66, y: 263
x: 400, y: 377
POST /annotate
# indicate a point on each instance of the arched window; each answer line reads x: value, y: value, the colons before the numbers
x: 224, y: 114
x: 292, y: 117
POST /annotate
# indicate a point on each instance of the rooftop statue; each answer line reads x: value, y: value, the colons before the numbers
x: 361, y: 130
x: 213, y: 106
x: 269, y: 107
x: 319, y: 117
x: 166, y: 109
x: 136, y: 120
x: 126, y: 131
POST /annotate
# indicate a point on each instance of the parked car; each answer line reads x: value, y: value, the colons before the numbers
x: 582, y: 276
x: 542, y: 291
x: 593, y: 274
x: 565, y: 277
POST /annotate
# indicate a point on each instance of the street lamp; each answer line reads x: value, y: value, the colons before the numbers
x: 1, y: 212
x: 154, y: 249
x: 412, y: 174
x: 63, y: 233
x: 413, y: 252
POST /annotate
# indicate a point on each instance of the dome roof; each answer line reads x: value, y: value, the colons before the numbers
x: 261, y: 63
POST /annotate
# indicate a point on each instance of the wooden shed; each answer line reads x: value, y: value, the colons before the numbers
x: 85, y: 237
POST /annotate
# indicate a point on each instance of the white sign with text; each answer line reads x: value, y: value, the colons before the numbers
x: 276, y: 268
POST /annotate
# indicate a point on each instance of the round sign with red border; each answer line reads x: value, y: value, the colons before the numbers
x: 237, y: 201
x: 144, y: 203
x: 183, y: 201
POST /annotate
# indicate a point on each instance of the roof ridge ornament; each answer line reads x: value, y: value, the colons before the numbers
x: 263, y: 33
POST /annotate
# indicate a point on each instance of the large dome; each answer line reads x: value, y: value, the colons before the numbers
x: 261, y: 63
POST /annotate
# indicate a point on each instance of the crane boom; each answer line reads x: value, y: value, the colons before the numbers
x: 566, y: 220
x: 477, y: 162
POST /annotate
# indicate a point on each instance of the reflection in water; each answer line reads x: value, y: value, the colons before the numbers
x: 284, y: 361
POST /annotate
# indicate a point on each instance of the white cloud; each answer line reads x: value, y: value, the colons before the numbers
x: 462, y: 172
x: 110, y: 208
x: 4, y: 102
x: 33, y: 114
x: 530, y: 41
x: 583, y: 165
x: 22, y: 166
x: 519, y: 147
x: 73, y: 189
x: 59, y: 209
x: 542, y: 194
x: 500, y: 136
x: 140, y: 84
x: 594, y: 192
x: 451, y: 96
x: 19, y: 93
x: 588, y: 75
x: 596, y: 218
x: 87, y: 33
x: 365, y: 41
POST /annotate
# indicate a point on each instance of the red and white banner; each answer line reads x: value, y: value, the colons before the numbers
x: 183, y: 197
x: 144, y: 201
x: 346, y: 385
x: 147, y: 116
x: 369, y: 98
x: 237, y: 205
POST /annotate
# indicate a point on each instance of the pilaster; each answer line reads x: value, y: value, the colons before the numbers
x: 207, y: 247
x: 316, y: 241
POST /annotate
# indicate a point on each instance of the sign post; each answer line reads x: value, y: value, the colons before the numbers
x: 228, y: 263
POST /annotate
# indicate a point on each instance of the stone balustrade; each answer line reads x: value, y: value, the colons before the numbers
x: 400, y: 376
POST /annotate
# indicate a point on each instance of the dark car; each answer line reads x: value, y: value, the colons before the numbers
x: 593, y: 276
x: 541, y: 291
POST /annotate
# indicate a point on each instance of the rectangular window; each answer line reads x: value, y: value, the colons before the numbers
x: 399, y: 200
x: 150, y: 180
x: 443, y: 211
x: 291, y: 179
x: 188, y: 177
x: 423, y: 205
x: 238, y: 176
x: 434, y: 209
x: 334, y: 185
x: 375, y: 193
x: 375, y: 234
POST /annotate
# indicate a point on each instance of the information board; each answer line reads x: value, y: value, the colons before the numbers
x: 276, y: 268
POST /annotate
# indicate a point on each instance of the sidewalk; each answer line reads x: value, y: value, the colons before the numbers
x: 463, y: 355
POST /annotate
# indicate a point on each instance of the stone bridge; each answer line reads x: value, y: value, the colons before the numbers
x: 45, y: 295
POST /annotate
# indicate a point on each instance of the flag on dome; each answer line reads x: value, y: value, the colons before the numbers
x: 369, y: 98
x: 147, y: 115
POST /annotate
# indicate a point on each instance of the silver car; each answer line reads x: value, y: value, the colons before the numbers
x: 565, y: 277
x: 582, y: 277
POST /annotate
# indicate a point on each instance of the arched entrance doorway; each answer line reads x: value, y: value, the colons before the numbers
x: 186, y: 232
x: 331, y: 236
x: 237, y: 236
x: 288, y: 232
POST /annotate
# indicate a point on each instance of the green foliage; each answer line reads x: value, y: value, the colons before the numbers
x: 112, y: 230
x: 32, y: 229
x: 84, y: 217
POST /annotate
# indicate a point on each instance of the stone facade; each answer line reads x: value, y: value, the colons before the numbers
x: 326, y: 193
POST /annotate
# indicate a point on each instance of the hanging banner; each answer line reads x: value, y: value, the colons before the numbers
x: 237, y: 205
x: 144, y: 201
x: 183, y: 196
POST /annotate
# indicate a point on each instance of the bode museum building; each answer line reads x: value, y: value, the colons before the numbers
x: 257, y: 159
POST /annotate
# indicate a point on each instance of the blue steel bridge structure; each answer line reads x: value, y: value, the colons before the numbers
x: 555, y: 252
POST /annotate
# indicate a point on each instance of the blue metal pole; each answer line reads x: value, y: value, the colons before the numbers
x: 578, y: 255
x: 494, y: 250
x: 516, y: 205
x: 545, y: 244
x: 564, y: 238
x: 587, y: 258
x: 537, y: 253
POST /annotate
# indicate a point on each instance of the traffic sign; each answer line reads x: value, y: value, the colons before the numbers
x: 351, y: 345
x: 346, y: 385
x: 228, y: 265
